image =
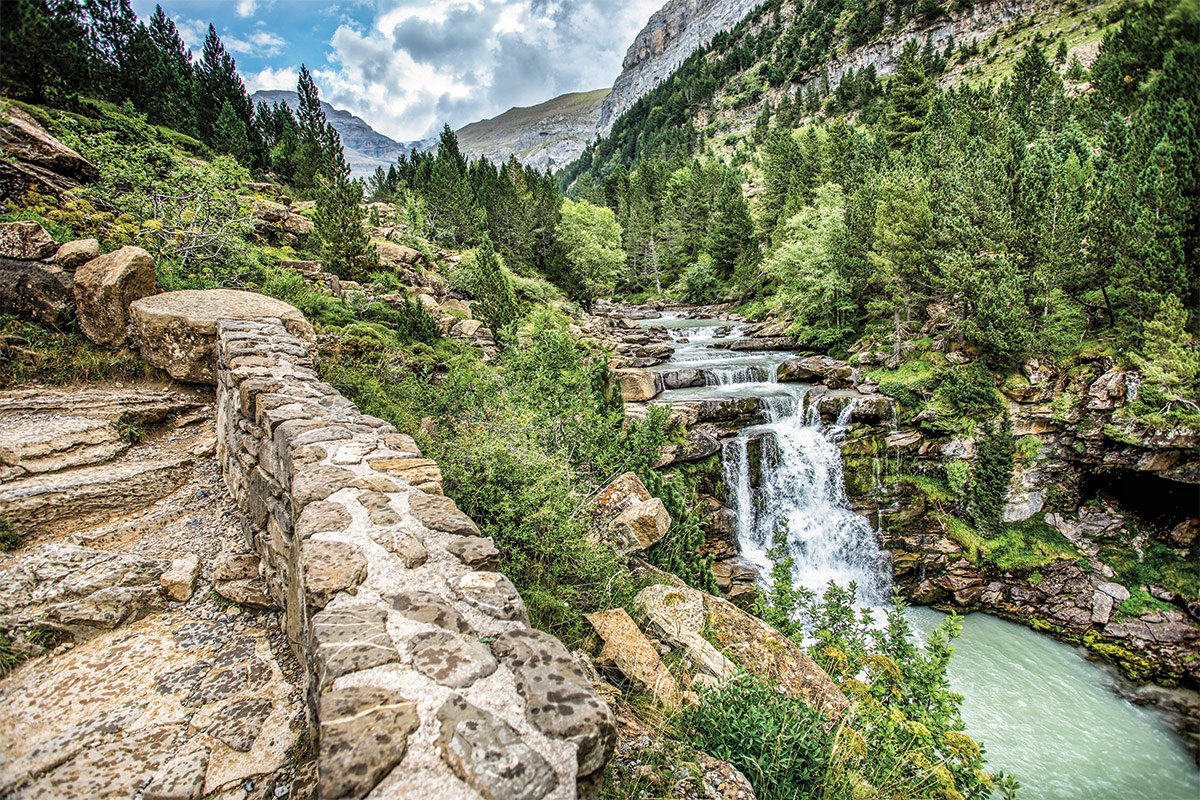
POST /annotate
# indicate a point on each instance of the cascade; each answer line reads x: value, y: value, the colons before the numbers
x: 786, y: 485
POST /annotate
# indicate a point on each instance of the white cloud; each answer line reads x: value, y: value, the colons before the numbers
x: 420, y: 64
x: 272, y: 78
x: 246, y: 8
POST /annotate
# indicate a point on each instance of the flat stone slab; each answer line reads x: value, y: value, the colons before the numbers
x: 55, y: 442
x: 176, y: 331
x: 142, y: 405
x: 51, y: 502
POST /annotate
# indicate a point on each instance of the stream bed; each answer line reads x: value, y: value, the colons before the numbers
x: 1045, y: 713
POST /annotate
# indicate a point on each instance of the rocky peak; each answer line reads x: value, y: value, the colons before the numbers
x: 673, y: 33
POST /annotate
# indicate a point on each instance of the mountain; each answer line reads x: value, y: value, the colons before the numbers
x: 548, y: 135
x: 365, y: 147
x: 672, y: 34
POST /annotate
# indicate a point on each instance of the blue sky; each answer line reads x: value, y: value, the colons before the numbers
x: 406, y: 67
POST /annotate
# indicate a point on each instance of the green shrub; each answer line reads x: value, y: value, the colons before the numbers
x: 10, y: 539
x: 994, y: 461
x: 701, y: 284
x: 34, y: 353
x: 779, y: 743
x: 970, y: 391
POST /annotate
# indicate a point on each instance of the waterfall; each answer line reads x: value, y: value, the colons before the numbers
x: 785, y: 480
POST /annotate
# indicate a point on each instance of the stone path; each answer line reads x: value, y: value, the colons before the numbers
x: 139, y: 682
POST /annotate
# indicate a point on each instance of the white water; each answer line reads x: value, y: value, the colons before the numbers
x: 1047, y: 715
x: 800, y: 502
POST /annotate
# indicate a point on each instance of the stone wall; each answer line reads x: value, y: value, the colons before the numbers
x: 424, y: 677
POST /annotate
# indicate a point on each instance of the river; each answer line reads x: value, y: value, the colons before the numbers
x: 1046, y: 714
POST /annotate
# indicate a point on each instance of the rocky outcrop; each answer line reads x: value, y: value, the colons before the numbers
x: 549, y: 135
x: 104, y: 289
x: 377, y: 575
x: 33, y: 159
x: 628, y: 650
x: 25, y: 241
x: 672, y: 33
x: 177, y: 331
x: 630, y: 518
x: 279, y: 223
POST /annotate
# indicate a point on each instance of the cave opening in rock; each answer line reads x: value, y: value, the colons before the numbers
x: 1157, y: 501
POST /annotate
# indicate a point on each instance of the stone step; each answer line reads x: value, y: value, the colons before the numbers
x: 53, y: 502
x: 54, y: 442
x: 143, y: 406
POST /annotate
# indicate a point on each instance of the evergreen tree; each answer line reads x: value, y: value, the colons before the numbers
x: 454, y: 216
x: 994, y: 459
x: 495, y: 302
x: 910, y: 93
x: 229, y: 135
x: 346, y: 249
x: 731, y: 240
x: 316, y: 143
x: 43, y: 49
x: 1169, y: 359
x: 174, y: 102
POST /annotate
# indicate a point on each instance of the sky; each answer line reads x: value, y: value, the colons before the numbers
x: 408, y: 67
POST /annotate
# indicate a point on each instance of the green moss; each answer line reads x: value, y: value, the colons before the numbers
x: 1020, y: 547
x: 932, y: 488
x: 1140, y: 602
x: 10, y: 539
x: 34, y: 353
x: 1155, y: 564
x: 909, y: 384
x: 1028, y: 448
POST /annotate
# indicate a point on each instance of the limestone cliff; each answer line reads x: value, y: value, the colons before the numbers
x: 546, y: 136
x: 671, y: 35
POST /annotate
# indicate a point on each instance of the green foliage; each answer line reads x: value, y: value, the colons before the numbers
x: 495, y: 302
x: 346, y: 249
x: 678, y: 551
x: 908, y: 384
x: 779, y: 743
x: 34, y: 353
x: 700, y: 282
x: 9, y: 659
x: 970, y: 391
x: 1152, y: 563
x: 1017, y: 547
x: 591, y: 241
x: 9, y: 538
x: 994, y: 459
x: 1170, y: 365
x: 1140, y: 602
x: 902, y: 735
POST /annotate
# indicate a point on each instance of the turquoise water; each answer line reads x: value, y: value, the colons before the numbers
x: 1050, y: 717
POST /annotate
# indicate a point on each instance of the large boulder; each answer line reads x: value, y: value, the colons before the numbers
x: 176, y: 331
x: 36, y: 290
x: 392, y: 253
x: 105, y: 287
x: 817, y: 369
x: 628, y: 649
x: 25, y: 241
x: 631, y: 519
x: 638, y: 385
x: 279, y: 221
x: 33, y: 159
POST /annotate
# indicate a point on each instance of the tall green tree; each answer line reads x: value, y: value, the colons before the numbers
x: 909, y: 95
x: 453, y: 215
x: 495, y: 302
x: 345, y: 248
x: 591, y: 242
x: 731, y: 240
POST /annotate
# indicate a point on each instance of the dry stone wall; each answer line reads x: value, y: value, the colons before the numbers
x: 425, y: 679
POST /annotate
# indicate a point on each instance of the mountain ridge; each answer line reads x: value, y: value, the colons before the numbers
x: 365, y: 147
x: 547, y: 135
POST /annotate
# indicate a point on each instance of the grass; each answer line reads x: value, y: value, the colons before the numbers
x: 908, y: 384
x: 34, y: 353
x: 9, y: 658
x: 932, y: 488
x: 1021, y: 547
x: 1157, y: 564
x: 10, y: 539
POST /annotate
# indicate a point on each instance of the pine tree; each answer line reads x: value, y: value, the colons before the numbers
x: 495, y: 302
x: 229, y: 135
x: 1169, y: 359
x: 43, y: 50
x: 453, y: 215
x: 731, y: 240
x: 345, y: 248
x: 175, y: 100
x: 315, y: 149
x: 910, y: 93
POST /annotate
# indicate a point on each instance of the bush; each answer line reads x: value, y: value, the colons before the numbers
x: 779, y: 743
x: 34, y: 353
x: 970, y: 391
x: 701, y: 284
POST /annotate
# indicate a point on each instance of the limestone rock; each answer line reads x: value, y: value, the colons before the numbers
x: 817, y: 369
x: 54, y: 442
x: 450, y: 658
x: 74, y: 254
x: 761, y: 649
x: 677, y: 616
x: 238, y: 577
x: 25, y: 241
x: 104, y: 289
x: 419, y: 472
x: 627, y: 648
x: 239, y: 722
x: 477, y: 552
x: 559, y: 699
x: 392, y: 253
x: 35, y: 290
x: 50, y: 502
x: 329, y: 568
x: 430, y: 609
x: 633, y: 520
x: 489, y: 756
x: 35, y: 159
x: 181, y: 778
x: 364, y: 735
x: 638, y: 385
x: 176, y: 331
x: 351, y: 639
x: 493, y: 594
x: 179, y: 581
x: 78, y: 589
x: 441, y: 514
